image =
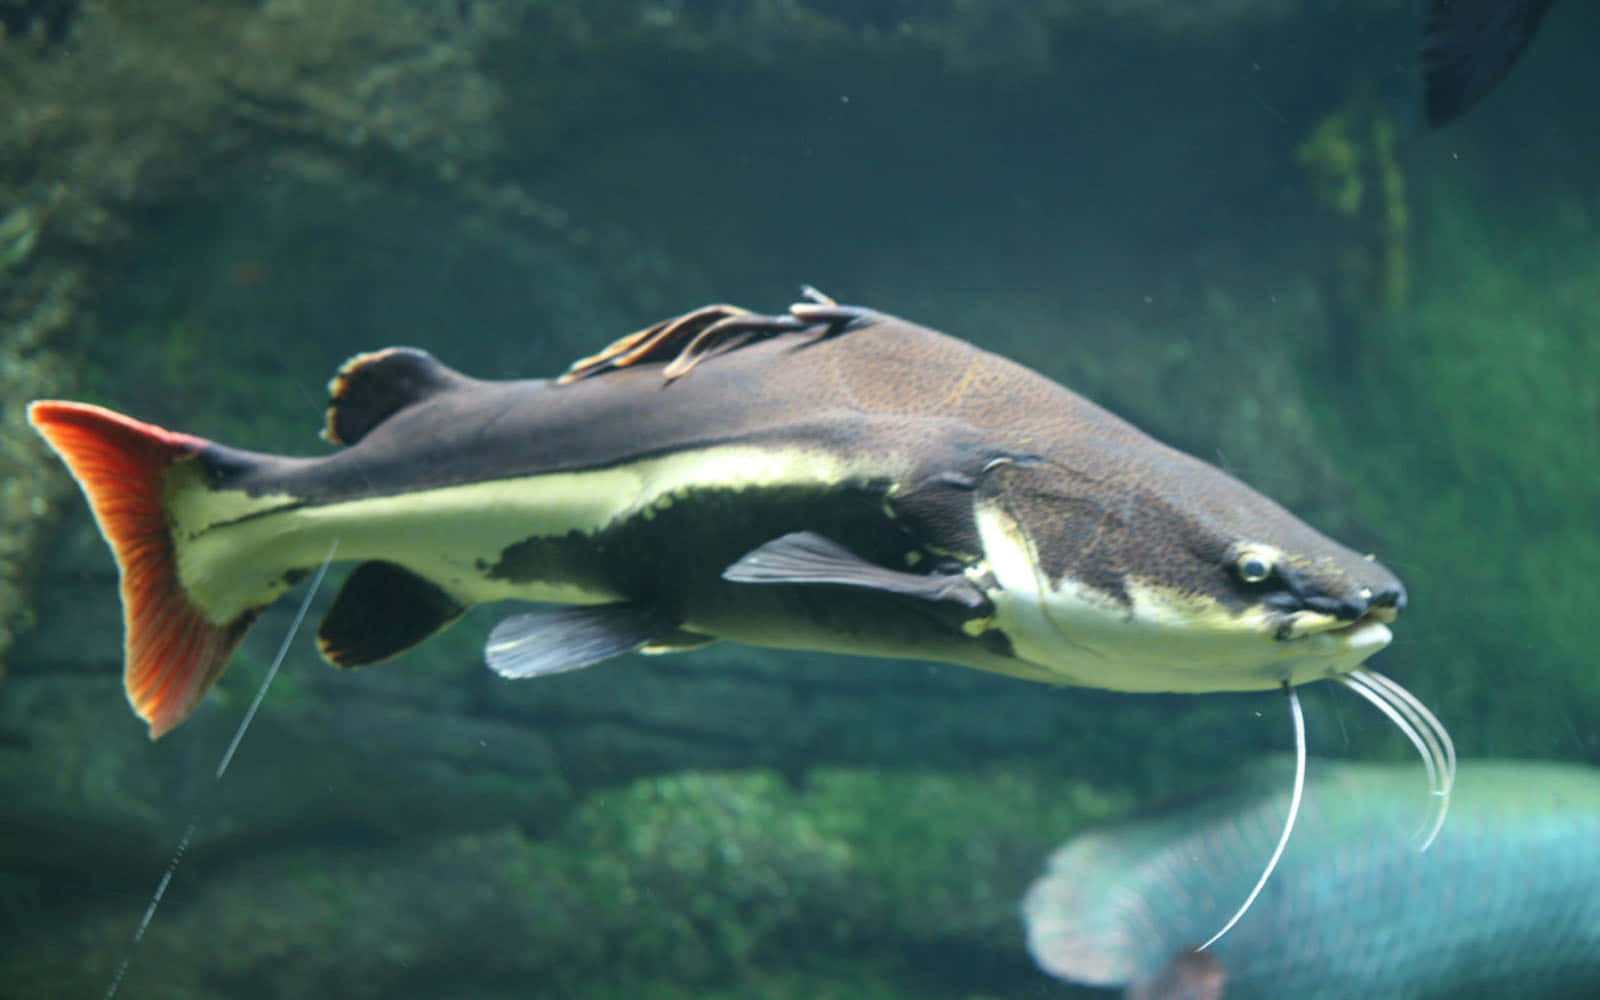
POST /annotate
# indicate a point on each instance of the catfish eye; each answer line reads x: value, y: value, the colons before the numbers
x: 1253, y: 565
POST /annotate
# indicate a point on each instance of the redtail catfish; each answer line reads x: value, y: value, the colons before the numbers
x: 829, y: 478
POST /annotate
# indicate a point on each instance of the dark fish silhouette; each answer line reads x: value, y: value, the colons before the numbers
x: 1468, y: 46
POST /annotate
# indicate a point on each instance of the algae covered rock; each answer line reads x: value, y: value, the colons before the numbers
x: 718, y: 883
x: 205, y: 208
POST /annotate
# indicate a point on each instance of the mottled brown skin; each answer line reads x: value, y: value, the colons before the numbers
x: 927, y: 425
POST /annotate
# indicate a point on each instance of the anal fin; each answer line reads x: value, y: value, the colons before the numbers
x: 383, y: 610
x: 554, y: 640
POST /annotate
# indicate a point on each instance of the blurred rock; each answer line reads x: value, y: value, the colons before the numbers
x: 205, y: 207
x: 725, y: 881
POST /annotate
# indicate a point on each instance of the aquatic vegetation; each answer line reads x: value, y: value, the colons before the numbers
x: 35, y: 310
x: 1499, y: 492
x: 1353, y: 164
x: 19, y: 234
x: 699, y: 882
x: 261, y: 189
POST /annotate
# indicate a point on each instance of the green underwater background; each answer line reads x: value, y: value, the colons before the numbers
x: 1221, y: 220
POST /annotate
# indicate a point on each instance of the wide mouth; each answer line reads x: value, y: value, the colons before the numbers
x: 1374, y: 616
x: 1368, y: 633
x: 1305, y: 624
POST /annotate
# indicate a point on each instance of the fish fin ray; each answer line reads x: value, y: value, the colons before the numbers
x: 807, y: 557
x: 382, y: 610
x: 556, y: 639
x: 676, y: 340
x: 684, y: 341
x: 370, y: 388
x: 173, y: 653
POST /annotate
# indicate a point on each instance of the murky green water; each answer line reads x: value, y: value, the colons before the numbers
x: 1219, y: 221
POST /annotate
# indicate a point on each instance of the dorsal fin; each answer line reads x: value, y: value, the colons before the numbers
x: 370, y: 388
x: 684, y: 341
x: 683, y: 337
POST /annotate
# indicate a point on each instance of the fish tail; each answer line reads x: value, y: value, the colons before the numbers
x: 173, y: 653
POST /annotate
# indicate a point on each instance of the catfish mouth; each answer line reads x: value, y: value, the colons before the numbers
x: 1299, y: 626
x: 1304, y: 608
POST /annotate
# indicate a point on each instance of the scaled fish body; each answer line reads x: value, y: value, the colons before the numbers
x: 1505, y: 904
x: 830, y: 478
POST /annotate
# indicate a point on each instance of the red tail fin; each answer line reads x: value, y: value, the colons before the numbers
x: 173, y: 653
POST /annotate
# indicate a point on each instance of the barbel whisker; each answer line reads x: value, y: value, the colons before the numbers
x: 1288, y: 823
x: 1426, y: 733
x: 1432, y: 722
x: 1424, y: 722
x: 1380, y: 700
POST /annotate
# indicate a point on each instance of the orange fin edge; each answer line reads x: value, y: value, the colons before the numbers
x: 173, y: 654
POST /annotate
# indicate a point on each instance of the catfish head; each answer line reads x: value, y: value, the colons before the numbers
x: 1153, y: 571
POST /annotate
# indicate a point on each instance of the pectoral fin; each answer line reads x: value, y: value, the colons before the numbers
x: 807, y: 557
x: 557, y: 639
